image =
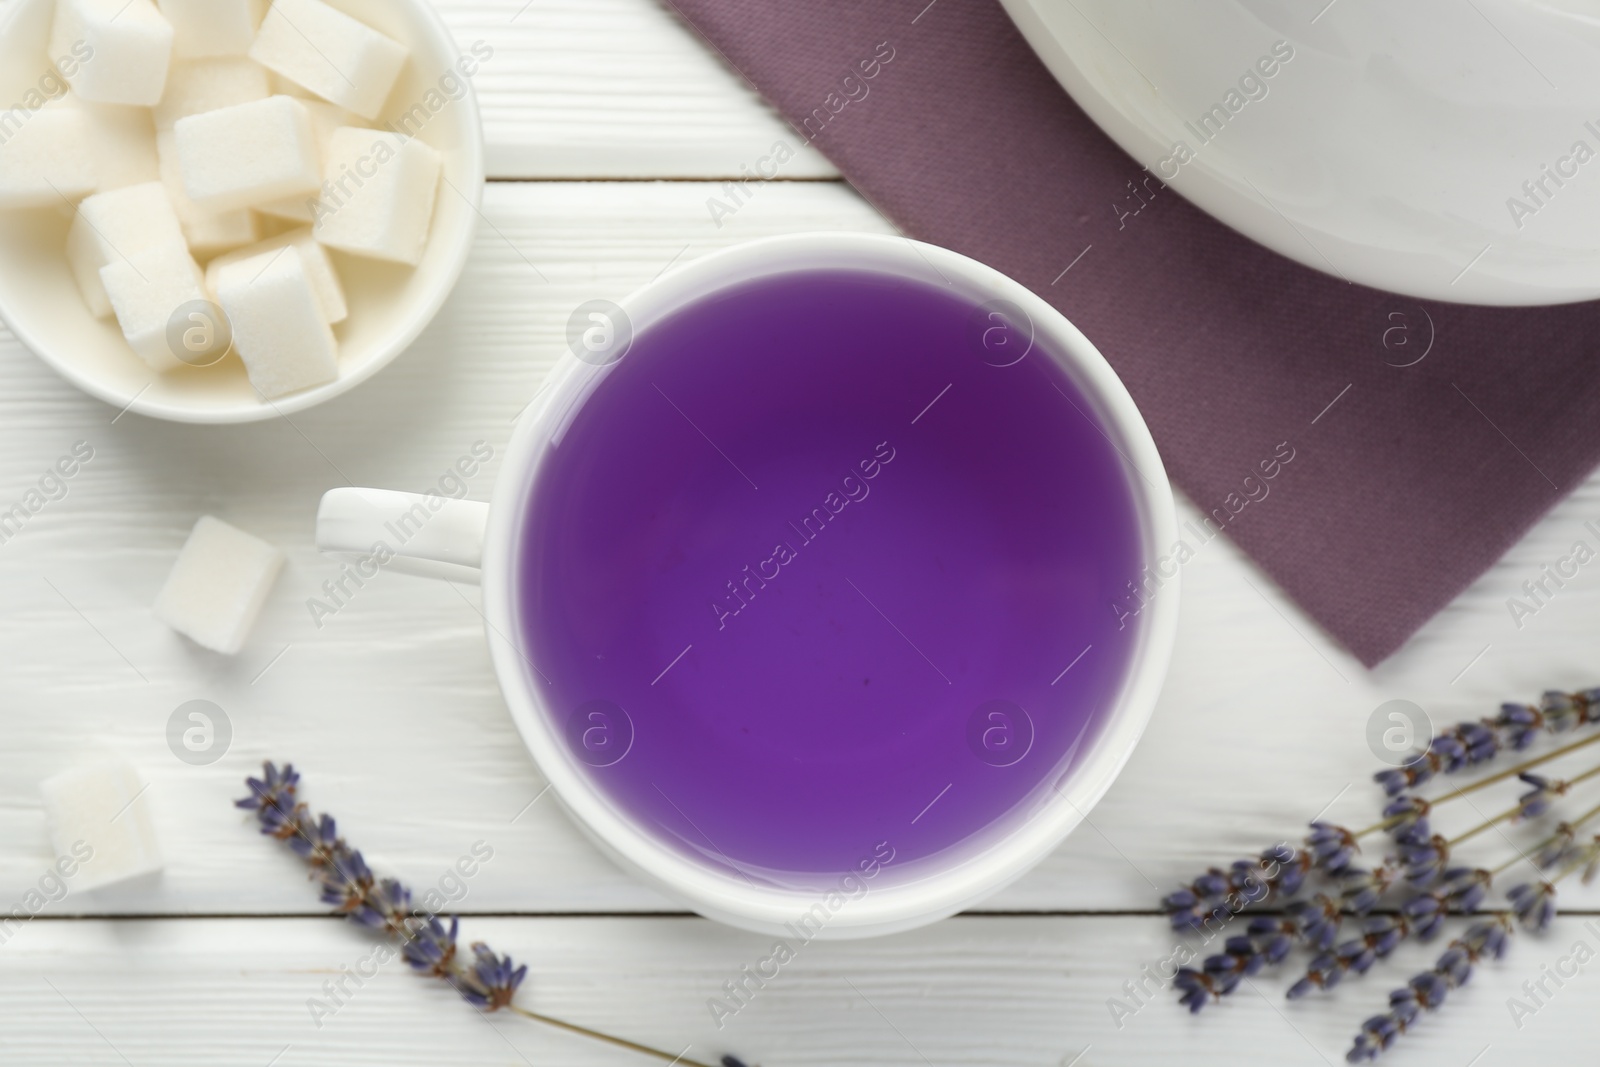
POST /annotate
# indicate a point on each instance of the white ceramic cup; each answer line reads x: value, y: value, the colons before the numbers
x: 471, y: 541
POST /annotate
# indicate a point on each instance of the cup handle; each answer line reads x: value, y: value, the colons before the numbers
x: 429, y: 536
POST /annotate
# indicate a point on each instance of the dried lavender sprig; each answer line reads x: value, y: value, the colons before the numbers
x: 1217, y: 895
x: 1471, y: 744
x: 1267, y: 940
x: 1330, y: 848
x: 1532, y: 903
x: 1281, y: 871
x: 1379, y: 936
x: 1424, y: 866
x: 487, y: 981
x: 1427, y: 990
x: 1460, y: 890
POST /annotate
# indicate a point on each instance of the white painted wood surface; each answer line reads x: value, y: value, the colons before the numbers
x: 970, y: 992
x: 613, y: 89
x: 392, y: 712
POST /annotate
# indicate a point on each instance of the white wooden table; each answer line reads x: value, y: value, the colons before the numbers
x: 609, y: 126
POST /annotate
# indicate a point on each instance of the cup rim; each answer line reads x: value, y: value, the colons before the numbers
x: 935, y: 895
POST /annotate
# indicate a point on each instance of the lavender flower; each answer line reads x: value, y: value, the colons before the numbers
x: 1534, y: 903
x: 1428, y: 990
x: 1317, y: 920
x: 1464, y: 888
x: 1426, y: 913
x: 488, y: 981
x: 1407, y: 819
x: 1216, y: 895
x: 1380, y: 934
x: 1331, y: 847
x: 1557, y: 847
x: 1421, y: 864
x: 1519, y: 724
x: 1199, y: 988
x: 1469, y: 744
x: 1537, y: 801
x: 1459, y: 889
x: 1266, y: 941
x: 1568, y: 711
x: 1425, y: 861
x: 1361, y: 889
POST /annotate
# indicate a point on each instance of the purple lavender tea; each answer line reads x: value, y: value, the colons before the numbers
x: 828, y: 561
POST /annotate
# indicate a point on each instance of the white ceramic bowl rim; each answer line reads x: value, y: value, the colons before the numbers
x: 718, y: 893
x: 1384, y: 155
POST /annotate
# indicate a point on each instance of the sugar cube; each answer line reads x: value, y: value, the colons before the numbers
x: 132, y: 49
x: 123, y: 141
x: 147, y: 289
x: 211, y: 27
x: 200, y: 85
x: 324, y: 279
x: 379, y: 196
x: 208, y: 232
x: 279, y: 328
x: 218, y: 586
x: 46, y: 157
x: 349, y: 63
x: 282, y: 86
x: 248, y: 154
x: 123, y: 222
x: 100, y: 825
x: 325, y: 119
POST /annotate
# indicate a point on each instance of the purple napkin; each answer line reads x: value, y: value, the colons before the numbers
x: 1426, y: 437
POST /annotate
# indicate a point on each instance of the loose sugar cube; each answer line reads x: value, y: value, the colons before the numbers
x: 319, y: 268
x: 208, y: 232
x: 349, y: 63
x: 248, y: 154
x: 211, y: 27
x: 132, y: 49
x: 218, y: 586
x: 123, y: 142
x: 200, y: 85
x: 147, y: 289
x: 100, y: 826
x: 325, y: 119
x: 46, y: 156
x: 379, y: 196
x: 279, y: 328
x: 123, y: 222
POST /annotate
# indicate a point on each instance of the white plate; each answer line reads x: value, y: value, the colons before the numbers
x: 1390, y: 150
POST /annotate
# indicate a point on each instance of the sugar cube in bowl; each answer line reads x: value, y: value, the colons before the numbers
x: 389, y: 304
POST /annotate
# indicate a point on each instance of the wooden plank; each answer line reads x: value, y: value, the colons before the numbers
x: 391, y: 707
x: 614, y: 89
x: 991, y: 991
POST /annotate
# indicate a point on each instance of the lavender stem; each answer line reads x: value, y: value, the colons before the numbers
x: 619, y: 1042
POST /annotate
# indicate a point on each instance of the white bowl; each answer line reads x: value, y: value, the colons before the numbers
x: 390, y: 305
x: 1385, y: 152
